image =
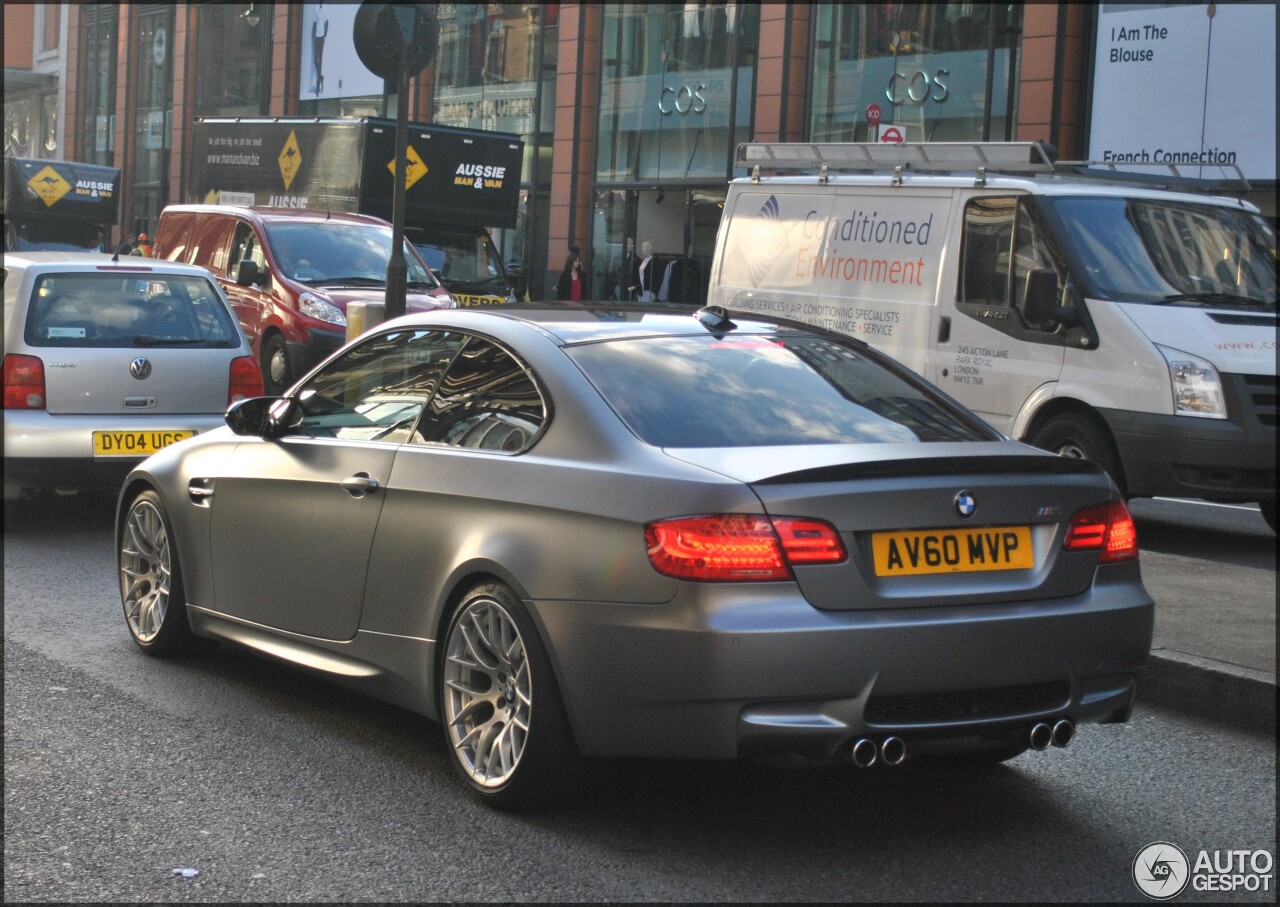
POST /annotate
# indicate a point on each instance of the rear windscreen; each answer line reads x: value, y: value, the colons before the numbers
x: 114, y: 310
x: 751, y: 391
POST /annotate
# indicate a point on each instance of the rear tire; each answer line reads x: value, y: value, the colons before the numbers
x: 276, y: 377
x: 503, y: 717
x: 151, y: 590
x: 1082, y: 437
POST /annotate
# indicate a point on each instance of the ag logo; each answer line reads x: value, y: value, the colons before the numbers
x: 290, y: 160
x: 414, y: 168
x: 768, y: 221
x: 1161, y: 870
x: 49, y: 185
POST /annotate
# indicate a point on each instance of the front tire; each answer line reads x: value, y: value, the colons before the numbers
x: 503, y: 717
x: 1078, y: 436
x: 276, y: 377
x: 151, y: 590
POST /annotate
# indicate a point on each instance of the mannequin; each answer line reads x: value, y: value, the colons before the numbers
x: 645, y: 277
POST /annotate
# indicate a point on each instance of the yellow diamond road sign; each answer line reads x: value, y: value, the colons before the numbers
x: 414, y: 169
x: 49, y: 185
x: 290, y: 160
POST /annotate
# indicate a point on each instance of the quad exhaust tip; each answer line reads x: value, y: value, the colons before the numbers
x: 891, y: 751
x: 1063, y: 731
x: 1041, y: 736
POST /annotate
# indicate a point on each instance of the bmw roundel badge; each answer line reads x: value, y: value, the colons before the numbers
x: 965, y: 505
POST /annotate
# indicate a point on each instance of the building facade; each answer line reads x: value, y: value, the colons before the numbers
x: 630, y: 112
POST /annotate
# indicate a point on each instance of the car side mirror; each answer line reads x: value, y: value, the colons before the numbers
x: 261, y: 417
x: 1041, y: 300
x: 247, y: 272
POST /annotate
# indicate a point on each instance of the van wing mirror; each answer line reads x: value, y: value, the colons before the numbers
x: 247, y: 272
x: 1041, y: 300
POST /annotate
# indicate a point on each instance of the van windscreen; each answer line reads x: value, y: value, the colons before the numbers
x: 333, y: 251
x: 1152, y: 250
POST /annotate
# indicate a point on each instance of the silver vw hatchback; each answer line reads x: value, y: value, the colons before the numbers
x: 107, y: 360
x: 582, y: 531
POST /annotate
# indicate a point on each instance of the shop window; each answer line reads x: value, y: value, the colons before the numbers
x: 233, y: 59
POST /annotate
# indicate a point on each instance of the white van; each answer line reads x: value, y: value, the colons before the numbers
x: 1095, y: 314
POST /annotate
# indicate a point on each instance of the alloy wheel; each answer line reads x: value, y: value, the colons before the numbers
x: 145, y: 571
x: 487, y: 692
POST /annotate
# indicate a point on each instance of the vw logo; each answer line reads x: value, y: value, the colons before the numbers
x: 140, y: 368
x: 965, y: 505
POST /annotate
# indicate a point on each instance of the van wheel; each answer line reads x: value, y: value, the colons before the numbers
x: 1080, y: 437
x: 275, y: 366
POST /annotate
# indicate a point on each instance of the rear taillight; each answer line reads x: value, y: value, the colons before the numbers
x: 1107, y: 528
x: 246, y: 379
x: 23, y: 382
x: 737, y: 547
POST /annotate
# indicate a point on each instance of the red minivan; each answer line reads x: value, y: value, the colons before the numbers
x: 290, y: 274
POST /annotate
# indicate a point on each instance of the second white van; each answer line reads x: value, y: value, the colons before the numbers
x: 1104, y: 318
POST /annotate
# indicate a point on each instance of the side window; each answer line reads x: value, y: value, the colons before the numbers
x: 1031, y: 252
x: 487, y: 401
x: 245, y: 245
x: 376, y: 391
x: 985, y: 250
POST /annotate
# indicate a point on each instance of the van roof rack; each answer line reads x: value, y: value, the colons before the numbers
x: 973, y: 157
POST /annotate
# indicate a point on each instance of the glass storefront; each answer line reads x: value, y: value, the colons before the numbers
x: 676, y: 97
x: 233, y: 59
x: 495, y: 70
x: 98, y: 83
x: 152, y: 75
x: 933, y: 72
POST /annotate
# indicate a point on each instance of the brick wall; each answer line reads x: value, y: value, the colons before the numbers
x: 19, y: 35
x: 781, y: 70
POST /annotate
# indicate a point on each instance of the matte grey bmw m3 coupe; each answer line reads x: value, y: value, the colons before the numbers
x: 576, y: 531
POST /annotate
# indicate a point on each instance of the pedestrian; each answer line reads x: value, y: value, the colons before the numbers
x: 644, y: 281
x: 573, y: 282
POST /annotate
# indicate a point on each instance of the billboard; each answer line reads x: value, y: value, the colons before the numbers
x: 1191, y: 85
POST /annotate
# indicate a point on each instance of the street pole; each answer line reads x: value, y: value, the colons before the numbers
x: 397, y: 267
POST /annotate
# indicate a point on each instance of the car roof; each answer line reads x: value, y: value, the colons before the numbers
x: 98, y: 261
x: 572, y: 323
x: 264, y: 214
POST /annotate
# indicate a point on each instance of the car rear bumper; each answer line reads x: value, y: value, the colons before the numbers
x: 724, y: 672
x: 51, y: 451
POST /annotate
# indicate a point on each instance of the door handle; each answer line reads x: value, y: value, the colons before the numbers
x: 944, y: 329
x: 360, y: 484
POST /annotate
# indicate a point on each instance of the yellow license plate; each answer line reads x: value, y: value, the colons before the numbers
x: 466, y: 300
x: 952, y: 550
x: 134, y: 443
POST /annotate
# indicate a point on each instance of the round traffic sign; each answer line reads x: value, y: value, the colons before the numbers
x: 873, y: 114
x: 383, y: 30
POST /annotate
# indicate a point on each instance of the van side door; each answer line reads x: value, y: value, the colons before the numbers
x: 992, y: 355
x: 252, y: 302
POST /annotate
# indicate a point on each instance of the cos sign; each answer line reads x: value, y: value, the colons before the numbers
x: 917, y: 87
x: 685, y: 99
